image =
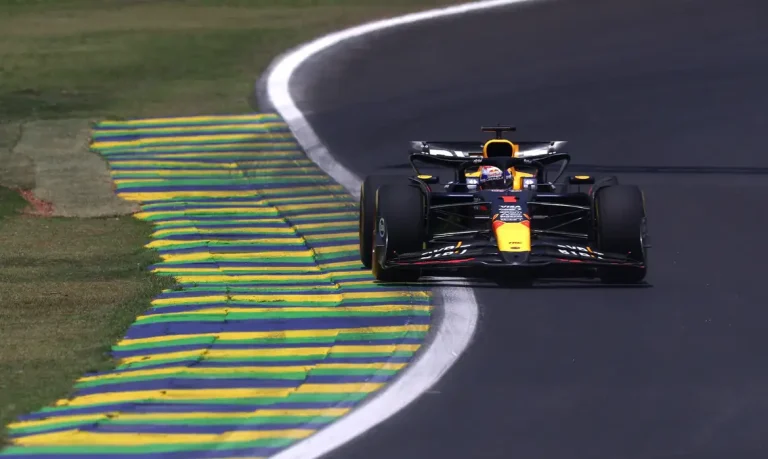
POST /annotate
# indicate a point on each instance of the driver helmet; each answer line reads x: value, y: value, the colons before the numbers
x: 491, y: 177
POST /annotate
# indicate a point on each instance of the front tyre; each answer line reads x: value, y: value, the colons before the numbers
x: 367, y: 217
x: 400, y: 217
x: 621, y: 229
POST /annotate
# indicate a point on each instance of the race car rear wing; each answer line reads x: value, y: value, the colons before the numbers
x: 464, y: 149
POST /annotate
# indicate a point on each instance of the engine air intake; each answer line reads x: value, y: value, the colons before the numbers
x: 499, y: 149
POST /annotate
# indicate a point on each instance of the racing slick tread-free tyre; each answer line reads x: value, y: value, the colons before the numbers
x: 400, y: 215
x: 367, y: 219
x: 621, y: 220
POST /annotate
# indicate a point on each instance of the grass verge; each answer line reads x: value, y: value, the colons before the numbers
x: 132, y: 58
x: 69, y: 288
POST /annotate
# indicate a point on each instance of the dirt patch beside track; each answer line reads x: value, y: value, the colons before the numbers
x: 53, y: 160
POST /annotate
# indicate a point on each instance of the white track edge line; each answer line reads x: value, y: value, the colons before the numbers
x: 454, y: 331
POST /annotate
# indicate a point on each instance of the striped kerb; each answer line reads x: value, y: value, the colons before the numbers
x: 275, y: 329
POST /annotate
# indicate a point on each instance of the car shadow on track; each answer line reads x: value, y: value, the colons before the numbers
x: 539, y: 284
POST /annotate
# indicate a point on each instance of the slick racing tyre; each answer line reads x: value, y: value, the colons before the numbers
x: 368, y: 211
x: 621, y: 229
x: 586, y: 188
x: 400, y: 222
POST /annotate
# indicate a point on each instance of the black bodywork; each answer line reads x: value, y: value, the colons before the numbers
x: 459, y: 220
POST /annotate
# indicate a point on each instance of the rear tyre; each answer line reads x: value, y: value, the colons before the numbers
x: 586, y: 188
x: 400, y: 217
x: 621, y: 229
x: 367, y: 220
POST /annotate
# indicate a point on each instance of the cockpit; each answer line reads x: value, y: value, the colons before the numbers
x: 502, y: 148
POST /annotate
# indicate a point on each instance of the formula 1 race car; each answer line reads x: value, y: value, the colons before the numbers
x: 512, y: 227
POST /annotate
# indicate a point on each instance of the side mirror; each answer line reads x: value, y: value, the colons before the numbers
x: 577, y: 179
x: 429, y: 178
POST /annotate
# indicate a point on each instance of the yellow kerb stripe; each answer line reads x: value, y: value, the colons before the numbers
x: 256, y: 127
x: 212, y: 354
x: 236, y: 269
x: 213, y: 394
x: 149, y: 141
x: 173, y: 371
x: 84, y: 438
x: 336, y: 297
x: 297, y: 309
x: 118, y: 416
x: 281, y: 334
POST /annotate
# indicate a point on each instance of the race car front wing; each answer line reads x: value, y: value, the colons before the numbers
x: 542, y: 254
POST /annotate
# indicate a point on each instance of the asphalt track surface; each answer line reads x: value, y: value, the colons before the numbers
x: 664, y: 92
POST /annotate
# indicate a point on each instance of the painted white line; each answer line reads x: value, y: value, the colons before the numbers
x: 279, y: 92
x: 454, y: 331
x: 451, y: 338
